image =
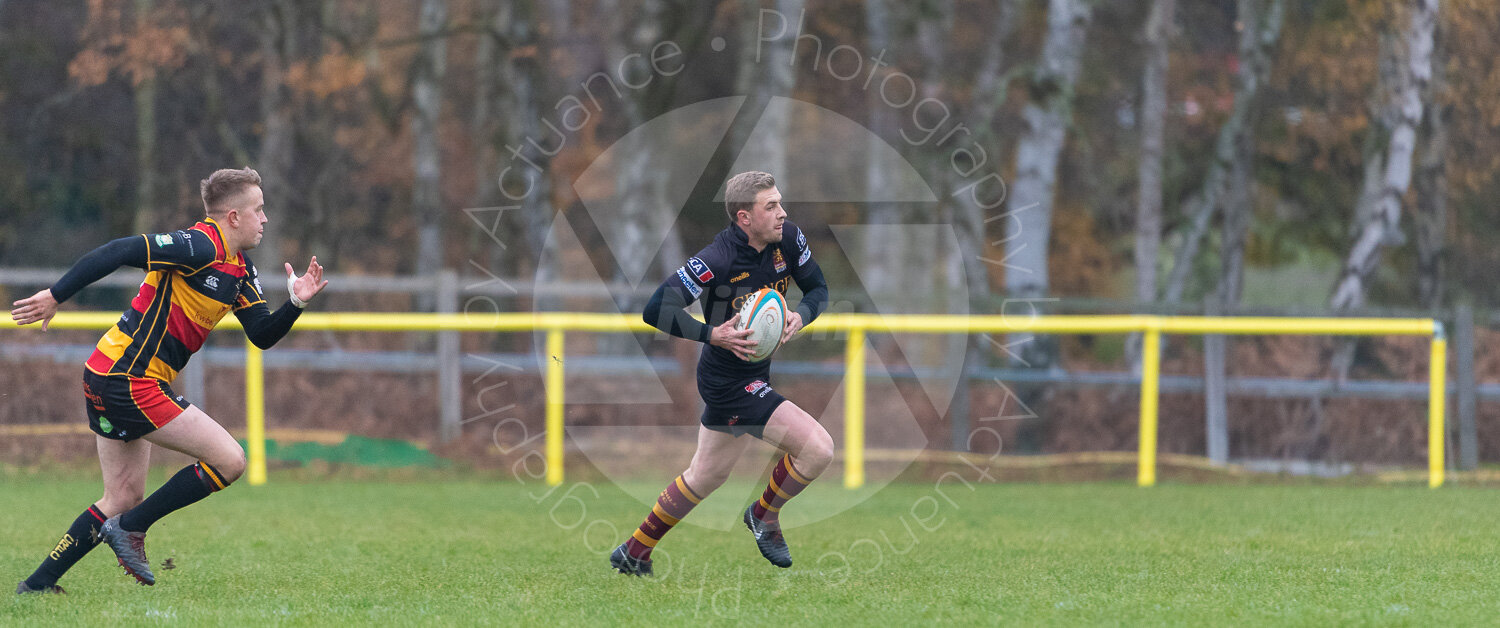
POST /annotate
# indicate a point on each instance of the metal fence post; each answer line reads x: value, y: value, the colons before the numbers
x: 854, y: 409
x: 1468, y: 431
x: 449, y: 388
x: 1150, y: 379
x: 1215, y: 398
x: 255, y: 415
x: 555, y: 396
x: 1436, y: 408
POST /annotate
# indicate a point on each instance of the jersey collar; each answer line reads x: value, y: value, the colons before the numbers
x: 743, y: 239
x: 219, y: 234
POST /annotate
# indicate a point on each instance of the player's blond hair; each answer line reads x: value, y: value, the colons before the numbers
x: 741, y: 189
x: 223, y: 185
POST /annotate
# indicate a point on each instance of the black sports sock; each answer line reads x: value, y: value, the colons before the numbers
x: 81, y: 537
x: 192, y: 483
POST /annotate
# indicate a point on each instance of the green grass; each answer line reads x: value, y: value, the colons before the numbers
x: 340, y: 552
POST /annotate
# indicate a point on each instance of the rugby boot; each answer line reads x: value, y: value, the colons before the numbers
x: 768, y: 538
x: 626, y: 564
x: 22, y: 589
x: 130, y: 549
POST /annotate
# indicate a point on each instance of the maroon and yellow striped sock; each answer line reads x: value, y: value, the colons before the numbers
x: 785, y: 484
x: 675, y: 502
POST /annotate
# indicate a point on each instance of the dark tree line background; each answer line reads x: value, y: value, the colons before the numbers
x: 1316, y: 155
x: 1280, y: 152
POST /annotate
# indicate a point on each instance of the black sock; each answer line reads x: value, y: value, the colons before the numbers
x: 81, y: 537
x: 192, y: 483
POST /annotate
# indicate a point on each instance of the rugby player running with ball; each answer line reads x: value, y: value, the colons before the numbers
x: 759, y: 249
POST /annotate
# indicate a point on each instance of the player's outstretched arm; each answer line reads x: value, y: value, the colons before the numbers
x: 304, y: 288
x: 38, y: 307
x: 265, y: 328
x: 98, y: 263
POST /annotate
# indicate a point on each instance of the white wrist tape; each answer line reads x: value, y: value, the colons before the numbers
x: 290, y: 281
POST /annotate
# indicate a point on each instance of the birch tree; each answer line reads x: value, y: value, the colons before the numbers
x: 1046, y: 118
x: 1260, y: 23
x: 1431, y: 215
x: 1157, y: 35
x: 1260, y: 26
x: 427, y: 197
x: 1405, y: 71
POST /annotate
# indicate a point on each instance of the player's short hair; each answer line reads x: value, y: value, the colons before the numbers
x: 741, y: 189
x: 223, y: 185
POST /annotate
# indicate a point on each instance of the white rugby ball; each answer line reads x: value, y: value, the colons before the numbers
x: 764, y: 314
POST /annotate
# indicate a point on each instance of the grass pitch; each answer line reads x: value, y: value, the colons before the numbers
x: 430, y: 552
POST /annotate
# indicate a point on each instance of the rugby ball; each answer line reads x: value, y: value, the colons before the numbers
x: 764, y: 314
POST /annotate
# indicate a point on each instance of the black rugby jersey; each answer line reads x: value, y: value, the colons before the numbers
x: 723, y: 275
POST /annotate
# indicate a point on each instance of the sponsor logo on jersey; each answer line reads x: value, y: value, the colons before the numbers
x: 740, y: 276
x: 163, y: 240
x: 700, y: 270
x: 778, y: 260
x: 212, y: 282
x: 780, y: 285
x: 806, y: 255
x: 687, y: 281
x: 801, y: 241
x: 755, y: 386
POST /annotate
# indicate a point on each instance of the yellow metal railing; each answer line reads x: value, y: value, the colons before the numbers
x: 555, y: 324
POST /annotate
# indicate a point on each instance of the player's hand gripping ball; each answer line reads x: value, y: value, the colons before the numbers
x: 764, y: 314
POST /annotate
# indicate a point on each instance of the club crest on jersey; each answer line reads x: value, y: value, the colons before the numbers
x: 778, y: 260
x: 700, y: 270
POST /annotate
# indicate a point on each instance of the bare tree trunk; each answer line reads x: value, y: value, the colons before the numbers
x: 427, y: 201
x: 1038, y: 151
x: 145, y: 136
x: 1257, y: 38
x: 482, y: 120
x: 529, y: 183
x: 969, y: 214
x: 1405, y: 70
x: 1047, y: 118
x: 885, y: 256
x: 1431, y: 216
x: 1157, y: 35
x: 766, y: 73
x: 640, y: 184
x: 278, y: 26
x: 1264, y: 26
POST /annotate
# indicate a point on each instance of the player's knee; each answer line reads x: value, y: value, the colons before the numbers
x: 230, y: 464
x: 705, y: 479
x: 818, y: 453
x: 120, y: 497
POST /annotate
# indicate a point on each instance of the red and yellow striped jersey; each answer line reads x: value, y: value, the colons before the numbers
x: 192, y: 281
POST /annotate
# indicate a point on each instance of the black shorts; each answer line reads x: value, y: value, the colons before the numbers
x: 125, y: 408
x: 738, y: 406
